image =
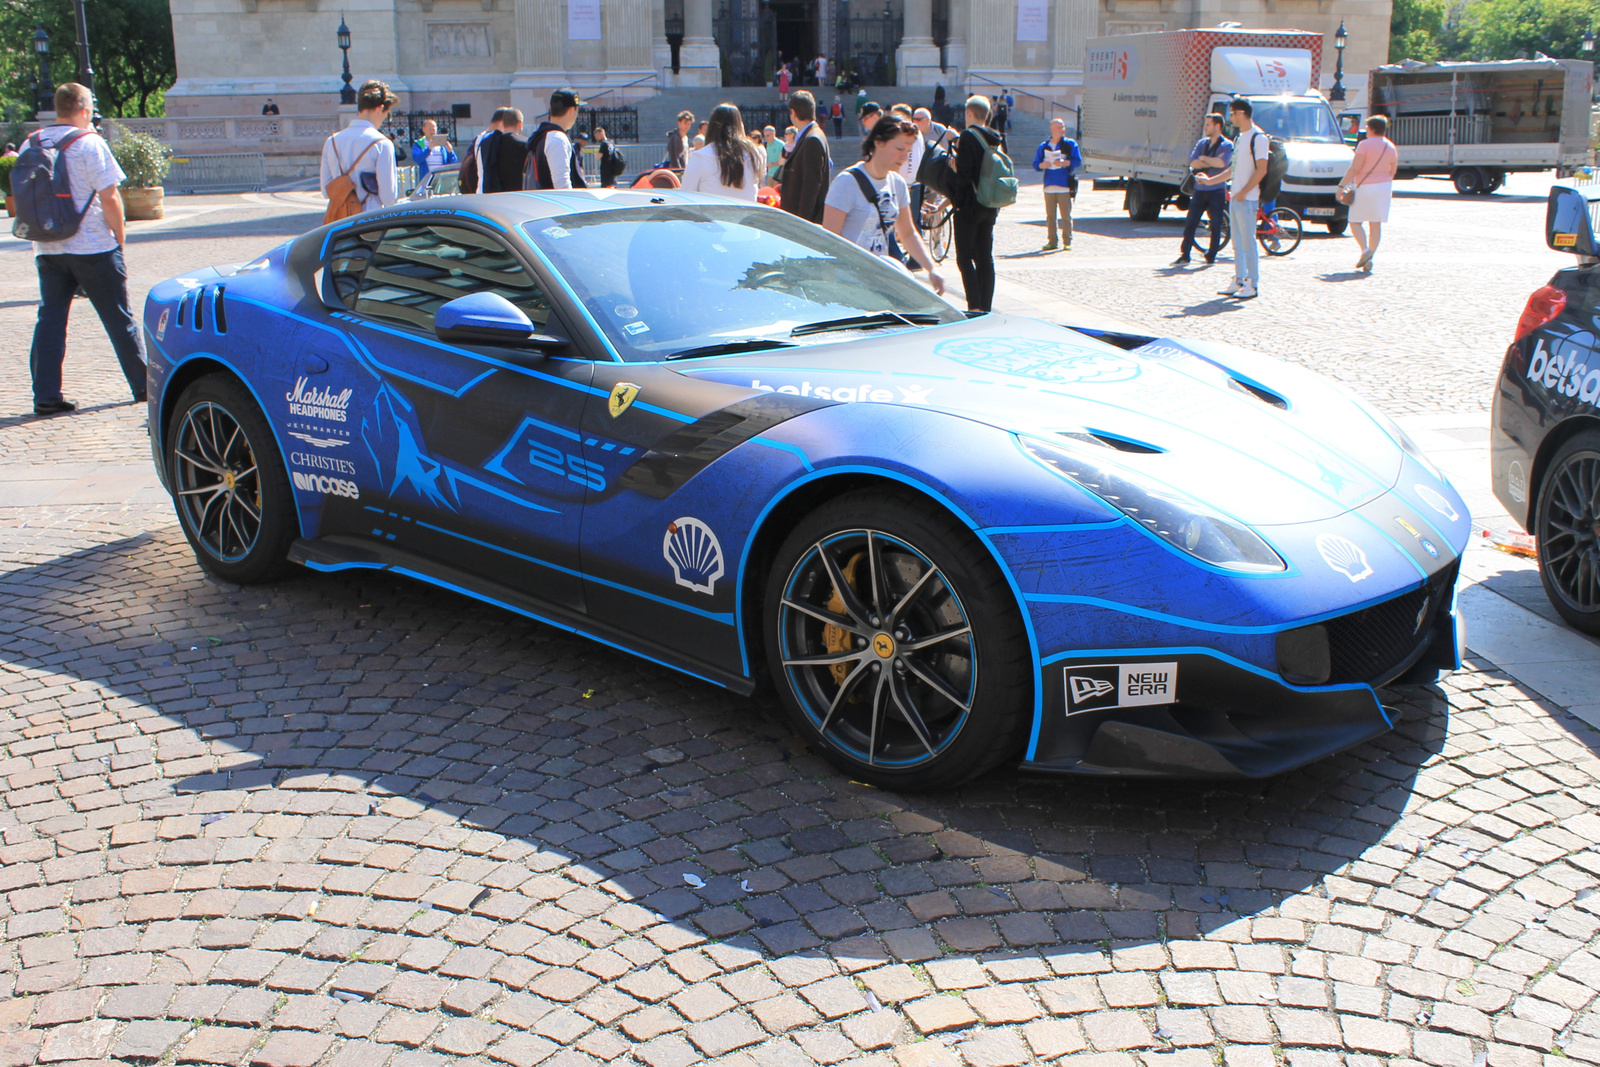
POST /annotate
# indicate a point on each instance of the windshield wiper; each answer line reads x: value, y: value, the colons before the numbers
x: 752, y: 344
x: 867, y: 322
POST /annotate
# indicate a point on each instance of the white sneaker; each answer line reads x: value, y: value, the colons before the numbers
x: 1233, y: 288
x: 1248, y: 292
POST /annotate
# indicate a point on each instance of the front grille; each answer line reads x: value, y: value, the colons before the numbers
x: 1296, y: 179
x: 1367, y: 645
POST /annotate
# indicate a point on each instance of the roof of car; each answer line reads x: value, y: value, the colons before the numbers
x: 510, y: 209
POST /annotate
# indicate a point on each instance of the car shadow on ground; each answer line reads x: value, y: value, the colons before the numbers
x: 585, y: 769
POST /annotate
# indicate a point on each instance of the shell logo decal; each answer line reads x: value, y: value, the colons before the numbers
x: 694, y: 554
x: 1344, y: 556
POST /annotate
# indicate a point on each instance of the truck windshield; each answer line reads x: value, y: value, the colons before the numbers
x: 1297, y: 120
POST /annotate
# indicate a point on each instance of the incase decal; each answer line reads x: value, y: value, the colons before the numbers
x: 322, y: 404
x: 1094, y: 687
x: 1344, y: 556
x: 694, y: 554
x: 316, y: 483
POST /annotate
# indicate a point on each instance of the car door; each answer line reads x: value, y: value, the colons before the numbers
x: 477, y: 460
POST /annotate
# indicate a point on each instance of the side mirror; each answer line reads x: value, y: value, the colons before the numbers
x: 1569, y: 219
x: 489, y: 318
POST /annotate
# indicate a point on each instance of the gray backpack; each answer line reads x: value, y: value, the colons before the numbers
x: 43, y: 191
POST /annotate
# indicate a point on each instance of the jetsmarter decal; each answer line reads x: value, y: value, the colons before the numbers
x: 315, y: 403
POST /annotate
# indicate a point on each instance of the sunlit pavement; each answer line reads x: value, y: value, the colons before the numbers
x: 349, y: 819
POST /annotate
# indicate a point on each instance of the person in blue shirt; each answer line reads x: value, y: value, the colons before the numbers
x: 1210, y: 159
x: 429, y: 156
x: 1060, y: 160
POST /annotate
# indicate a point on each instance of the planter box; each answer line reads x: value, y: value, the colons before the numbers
x: 143, y: 204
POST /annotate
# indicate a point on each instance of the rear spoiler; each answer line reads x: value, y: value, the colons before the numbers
x: 1569, y: 221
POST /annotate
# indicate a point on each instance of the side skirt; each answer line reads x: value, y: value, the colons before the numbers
x: 330, y: 554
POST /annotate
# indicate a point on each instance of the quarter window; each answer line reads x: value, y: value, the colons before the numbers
x: 415, y: 269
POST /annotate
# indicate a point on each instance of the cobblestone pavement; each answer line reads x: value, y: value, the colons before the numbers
x: 352, y: 820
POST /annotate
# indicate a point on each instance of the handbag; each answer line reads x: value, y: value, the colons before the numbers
x: 1346, y: 194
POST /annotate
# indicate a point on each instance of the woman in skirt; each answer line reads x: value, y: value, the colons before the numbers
x: 1371, y: 176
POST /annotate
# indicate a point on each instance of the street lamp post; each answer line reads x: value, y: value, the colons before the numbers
x: 1339, y: 41
x: 46, y: 99
x: 1588, y: 41
x: 85, y: 70
x: 347, y: 95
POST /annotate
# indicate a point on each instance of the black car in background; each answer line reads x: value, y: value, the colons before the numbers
x: 1545, y: 437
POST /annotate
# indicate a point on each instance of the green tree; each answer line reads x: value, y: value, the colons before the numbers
x: 130, y: 48
x: 1500, y: 29
x: 1416, y: 30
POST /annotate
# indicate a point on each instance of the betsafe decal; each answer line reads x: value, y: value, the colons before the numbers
x: 1565, y: 375
x: 1097, y: 686
x: 693, y: 552
x: 847, y: 394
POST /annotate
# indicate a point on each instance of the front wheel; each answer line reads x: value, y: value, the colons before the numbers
x: 1568, y: 529
x: 1338, y: 227
x: 1279, y: 233
x: 228, y: 482
x: 1468, y: 180
x: 895, y: 643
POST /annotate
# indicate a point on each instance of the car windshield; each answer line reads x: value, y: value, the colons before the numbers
x: 1297, y: 120
x: 665, y: 281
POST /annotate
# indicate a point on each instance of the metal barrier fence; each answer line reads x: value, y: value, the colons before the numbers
x: 228, y: 172
x: 620, y: 123
x: 1437, y: 129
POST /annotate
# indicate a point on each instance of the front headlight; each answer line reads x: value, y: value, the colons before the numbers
x: 1175, y: 518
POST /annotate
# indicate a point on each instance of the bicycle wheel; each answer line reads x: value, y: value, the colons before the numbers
x: 1283, y: 236
x: 1205, y: 228
x: 941, y: 237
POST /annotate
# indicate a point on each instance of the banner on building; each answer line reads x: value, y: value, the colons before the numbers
x: 583, y: 20
x: 1033, y: 20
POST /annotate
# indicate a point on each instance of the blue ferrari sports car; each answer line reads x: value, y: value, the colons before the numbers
x: 725, y: 440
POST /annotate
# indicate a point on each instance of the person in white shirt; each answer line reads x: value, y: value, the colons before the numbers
x: 552, y: 164
x: 1250, y: 152
x: 908, y: 170
x: 730, y: 164
x: 879, y: 222
x: 90, y: 259
x: 373, y: 172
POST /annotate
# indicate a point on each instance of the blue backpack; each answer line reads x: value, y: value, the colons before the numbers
x: 43, y: 191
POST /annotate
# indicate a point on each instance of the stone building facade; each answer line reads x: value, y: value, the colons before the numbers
x: 234, y: 54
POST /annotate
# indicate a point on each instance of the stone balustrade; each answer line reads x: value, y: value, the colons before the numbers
x: 269, y: 134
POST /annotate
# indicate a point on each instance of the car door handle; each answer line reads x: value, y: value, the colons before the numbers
x: 312, y: 364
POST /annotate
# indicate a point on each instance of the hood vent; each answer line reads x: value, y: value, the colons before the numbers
x: 1101, y: 439
x: 1263, y: 395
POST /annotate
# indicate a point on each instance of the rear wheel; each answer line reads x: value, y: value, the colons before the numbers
x: 941, y: 233
x: 1469, y: 181
x: 1338, y: 227
x: 1568, y: 530
x: 1496, y: 179
x: 896, y: 644
x: 1143, y: 201
x: 228, y: 482
x: 1279, y: 233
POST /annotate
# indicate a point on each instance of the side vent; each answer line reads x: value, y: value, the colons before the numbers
x: 183, y: 305
x: 219, y: 311
x: 1263, y: 395
x: 200, y: 308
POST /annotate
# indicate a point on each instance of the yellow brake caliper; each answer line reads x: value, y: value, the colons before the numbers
x: 837, y: 638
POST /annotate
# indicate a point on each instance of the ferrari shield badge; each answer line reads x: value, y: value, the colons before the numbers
x: 622, y: 395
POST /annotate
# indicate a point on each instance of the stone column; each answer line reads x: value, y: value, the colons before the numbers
x: 1074, y: 23
x: 955, y: 53
x: 541, y: 37
x: 699, y: 60
x: 916, y: 61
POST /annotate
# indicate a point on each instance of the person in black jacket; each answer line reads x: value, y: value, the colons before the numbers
x: 974, y: 223
x: 553, y: 162
x: 805, y: 179
x: 501, y: 156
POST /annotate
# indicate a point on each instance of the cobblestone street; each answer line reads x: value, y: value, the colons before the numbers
x: 352, y: 821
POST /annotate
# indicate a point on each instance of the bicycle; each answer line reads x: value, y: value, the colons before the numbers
x: 1278, y: 231
x: 937, y: 225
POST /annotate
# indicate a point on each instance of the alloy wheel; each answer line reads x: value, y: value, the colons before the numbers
x: 878, y: 648
x: 1569, y: 538
x: 217, y: 482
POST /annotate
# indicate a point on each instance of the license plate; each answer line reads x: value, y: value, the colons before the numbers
x: 1319, y: 211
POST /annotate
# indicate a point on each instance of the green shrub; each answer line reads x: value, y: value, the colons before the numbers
x: 6, y: 163
x: 142, y: 158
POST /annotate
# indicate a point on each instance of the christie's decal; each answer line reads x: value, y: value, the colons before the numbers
x: 1097, y: 686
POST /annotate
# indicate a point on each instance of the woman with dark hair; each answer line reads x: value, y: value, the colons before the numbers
x: 730, y: 164
x: 1371, y: 178
x: 869, y: 204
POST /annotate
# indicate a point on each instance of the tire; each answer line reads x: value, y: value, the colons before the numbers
x: 228, y: 482
x: 1568, y: 531
x: 1286, y: 237
x: 1144, y: 205
x: 941, y: 237
x: 1338, y: 227
x: 922, y: 683
x: 1468, y: 180
x: 1227, y: 231
x: 1497, y: 178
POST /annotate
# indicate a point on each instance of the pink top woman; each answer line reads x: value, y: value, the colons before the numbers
x: 783, y: 80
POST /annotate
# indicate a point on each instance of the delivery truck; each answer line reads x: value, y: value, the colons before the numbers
x: 1145, y: 96
x: 1477, y: 122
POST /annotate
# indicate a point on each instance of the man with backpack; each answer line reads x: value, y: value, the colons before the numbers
x: 984, y: 183
x: 1251, y: 152
x: 553, y: 163
x: 65, y: 184
x: 358, y: 162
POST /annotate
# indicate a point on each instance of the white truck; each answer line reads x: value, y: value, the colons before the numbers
x: 1145, y: 96
x: 1477, y: 122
